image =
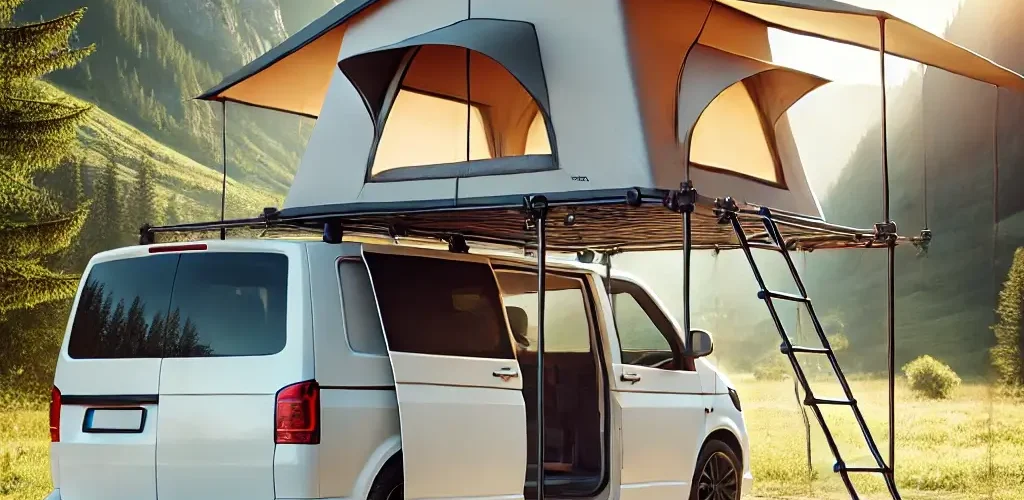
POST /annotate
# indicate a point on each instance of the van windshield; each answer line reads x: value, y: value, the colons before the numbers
x: 182, y: 305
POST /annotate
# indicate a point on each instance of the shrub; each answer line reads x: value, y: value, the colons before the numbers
x: 773, y: 366
x: 1007, y: 355
x: 930, y: 377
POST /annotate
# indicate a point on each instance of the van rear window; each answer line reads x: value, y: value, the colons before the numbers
x: 187, y: 305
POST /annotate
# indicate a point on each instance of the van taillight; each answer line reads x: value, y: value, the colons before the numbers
x: 55, y: 415
x: 297, y: 414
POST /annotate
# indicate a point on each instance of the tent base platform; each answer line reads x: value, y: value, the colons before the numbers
x: 608, y: 226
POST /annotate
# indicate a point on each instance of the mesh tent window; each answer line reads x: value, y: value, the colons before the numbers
x: 465, y: 100
x: 732, y: 136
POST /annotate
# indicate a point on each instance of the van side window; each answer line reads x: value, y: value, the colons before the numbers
x: 362, y: 322
x: 646, y: 336
x: 122, y: 309
x: 438, y: 306
x: 566, y: 319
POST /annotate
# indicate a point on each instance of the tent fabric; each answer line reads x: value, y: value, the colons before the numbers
x: 272, y: 79
x: 451, y: 107
x: 513, y: 44
x: 848, y: 24
x: 740, y: 134
x: 300, y: 63
x: 491, y: 65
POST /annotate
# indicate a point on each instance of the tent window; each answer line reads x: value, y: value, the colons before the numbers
x: 730, y: 136
x: 423, y: 129
x: 455, y: 106
x: 537, y: 142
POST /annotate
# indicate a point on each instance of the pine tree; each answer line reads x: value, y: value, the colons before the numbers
x: 104, y: 228
x: 141, y: 208
x: 1008, y: 353
x: 37, y: 129
x: 171, y: 214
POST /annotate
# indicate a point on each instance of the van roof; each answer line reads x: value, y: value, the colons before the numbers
x: 503, y: 253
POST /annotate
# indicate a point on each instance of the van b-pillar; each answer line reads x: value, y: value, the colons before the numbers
x: 537, y: 212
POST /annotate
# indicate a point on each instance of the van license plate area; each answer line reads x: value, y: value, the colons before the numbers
x: 114, y: 420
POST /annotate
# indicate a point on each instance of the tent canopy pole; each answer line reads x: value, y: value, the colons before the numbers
x: 889, y: 228
x: 224, y: 163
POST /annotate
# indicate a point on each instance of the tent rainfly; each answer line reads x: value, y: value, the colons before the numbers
x: 471, y: 105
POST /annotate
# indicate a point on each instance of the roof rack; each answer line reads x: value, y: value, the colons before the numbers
x: 634, y: 223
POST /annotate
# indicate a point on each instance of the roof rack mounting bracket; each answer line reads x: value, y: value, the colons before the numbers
x: 333, y: 231
x: 146, y: 234
x: 683, y: 200
x: 886, y: 232
x: 457, y: 244
x: 536, y: 207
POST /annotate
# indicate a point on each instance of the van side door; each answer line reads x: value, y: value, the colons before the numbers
x: 460, y: 402
x: 658, y: 393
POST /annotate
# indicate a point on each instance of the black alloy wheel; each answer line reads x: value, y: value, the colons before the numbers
x: 390, y: 483
x: 717, y: 476
x: 397, y: 492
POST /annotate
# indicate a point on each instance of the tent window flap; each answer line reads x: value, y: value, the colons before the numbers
x: 456, y: 102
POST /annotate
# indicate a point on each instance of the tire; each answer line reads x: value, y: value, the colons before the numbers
x: 718, y: 475
x: 389, y: 484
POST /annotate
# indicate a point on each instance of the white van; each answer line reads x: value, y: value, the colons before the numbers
x: 292, y: 369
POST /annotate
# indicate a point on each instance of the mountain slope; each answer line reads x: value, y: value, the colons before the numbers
x: 946, y: 298
x: 154, y: 56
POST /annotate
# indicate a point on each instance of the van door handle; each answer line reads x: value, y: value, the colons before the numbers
x: 505, y: 373
x: 630, y: 377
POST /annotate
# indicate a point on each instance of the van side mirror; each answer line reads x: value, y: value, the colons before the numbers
x: 701, y: 343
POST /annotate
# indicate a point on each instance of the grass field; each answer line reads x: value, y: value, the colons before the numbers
x: 944, y: 450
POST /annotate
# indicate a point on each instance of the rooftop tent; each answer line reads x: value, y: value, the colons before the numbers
x: 472, y: 104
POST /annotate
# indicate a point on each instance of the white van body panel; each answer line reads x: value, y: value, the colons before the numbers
x: 217, y: 414
x: 105, y: 465
x: 209, y: 431
x: 462, y: 419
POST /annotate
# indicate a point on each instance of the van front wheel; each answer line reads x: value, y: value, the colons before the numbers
x: 717, y: 475
x: 389, y: 484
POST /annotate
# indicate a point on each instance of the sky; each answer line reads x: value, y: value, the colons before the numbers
x: 829, y: 123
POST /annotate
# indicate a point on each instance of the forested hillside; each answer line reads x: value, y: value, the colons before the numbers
x: 946, y: 298
x: 145, y: 151
x: 154, y: 56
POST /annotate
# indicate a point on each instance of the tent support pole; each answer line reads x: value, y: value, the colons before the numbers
x: 891, y: 267
x: 995, y: 252
x: 684, y: 201
x: 224, y: 164
x: 537, y: 207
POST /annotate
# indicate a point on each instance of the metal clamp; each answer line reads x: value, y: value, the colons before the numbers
x: 885, y: 232
x: 683, y: 200
x: 725, y: 208
x: 536, y: 208
x: 923, y: 242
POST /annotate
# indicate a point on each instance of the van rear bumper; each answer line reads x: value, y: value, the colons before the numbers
x: 54, y: 495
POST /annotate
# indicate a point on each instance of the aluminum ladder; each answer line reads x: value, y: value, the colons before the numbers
x: 732, y: 216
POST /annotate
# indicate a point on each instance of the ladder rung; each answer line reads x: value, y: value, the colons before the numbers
x: 782, y: 296
x: 875, y: 470
x: 835, y: 402
x: 802, y: 350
